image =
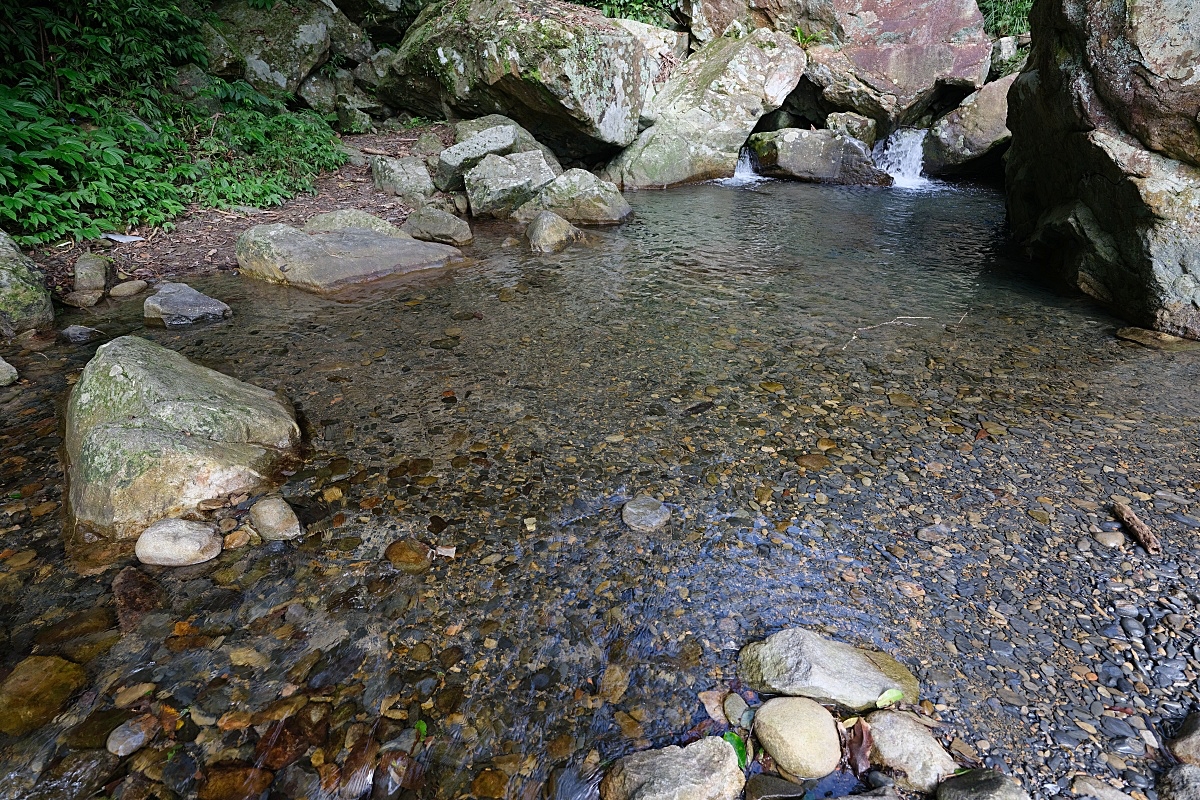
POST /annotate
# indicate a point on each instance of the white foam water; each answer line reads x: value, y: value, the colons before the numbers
x: 743, y: 173
x: 902, y: 157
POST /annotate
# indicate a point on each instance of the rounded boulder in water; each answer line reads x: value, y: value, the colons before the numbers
x: 645, y: 514
x: 274, y: 519
x: 178, y: 543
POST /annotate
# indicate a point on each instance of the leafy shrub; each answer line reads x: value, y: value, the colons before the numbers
x: 805, y: 39
x: 653, y: 12
x: 1006, y: 17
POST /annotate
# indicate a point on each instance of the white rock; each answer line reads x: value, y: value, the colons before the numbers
x: 704, y: 770
x: 800, y: 734
x: 274, y: 519
x: 178, y: 543
x: 903, y: 744
x: 8, y: 373
x: 645, y: 514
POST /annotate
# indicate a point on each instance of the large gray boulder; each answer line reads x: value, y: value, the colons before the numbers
x: 801, y: 663
x: 821, y: 156
x: 457, y: 160
x: 283, y: 44
x: 665, y: 50
x: 903, y: 745
x: 708, y: 107
x: 406, y: 178
x: 1103, y: 190
x: 579, y: 196
x: 706, y: 769
x: 24, y: 300
x: 972, y: 138
x: 525, y: 142
x: 434, y: 225
x: 498, y: 185
x: 326, y: 262
x: 885, y: 59
x: 570, y: 76
x: 150, y: 435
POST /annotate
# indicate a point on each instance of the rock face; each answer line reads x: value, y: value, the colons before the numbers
x: 351, y: 218
x: 407, y: 178
x: 800, y: 735
x: 326, y: 262
x: 1102, y: 188
x: 980, y: 784
x: 35, y: 691
x: 150, y: 435
x: 820, y: 156
x: 705, y: 770
x: 24, y: 300
x: 579, y: 196
x: 525, y: 142
x: 1185, y: 747
x: 178, y: 542
x: 971, y: 139
x: 1181, y: 783
x: 177, y: 304
x: 498, y: 185
x: 708, y: 107
x: 798, y: 662
x: 566, y: 73
x: 904, y: 745
x: 547, y: 233
x: 434, y: 225
x: 454, y: 162
x: 282, y: 45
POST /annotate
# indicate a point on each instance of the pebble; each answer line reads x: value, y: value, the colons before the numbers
x: 131, y: 736
x: 178, y: 543
x: 274, y: 519
x: 645, y: 514
x: 409, y: 555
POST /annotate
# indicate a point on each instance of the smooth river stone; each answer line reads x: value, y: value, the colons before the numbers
x: 645, y: 514
x: 800, y: 734
x: 274, y: 519
x: 178, y: 543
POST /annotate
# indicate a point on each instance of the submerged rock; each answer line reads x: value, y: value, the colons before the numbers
x: 136, y: 594
x: 149, y: 435
x: 972, y: 138
x: 274, y: 519
x: 78, y: 776
x: 645, y: 514
x: 35, y: 691
x: 799, y: 662
x: 980, y: 784
x: 905, y: 746
x: 550, y: 233
x: 24, y: 300
x: 407, y: 178
x: 1157, y: 340
x: 434, y: 225
x: 177, y: 304
x: 800, y: 734
x: 325, y: 262
x: 178, y: 543
x: 83, y: 299
x: 351, y: 218
x: 708, y: 107
x: 409, y: 555
x: 579, y: 196
x: 8, y: 373
x: 132, y: 735
x: 498, y: 185
x: 821, y: 156
x: 705, y: 769
x: 1103, y: 174
x: 566, y: 73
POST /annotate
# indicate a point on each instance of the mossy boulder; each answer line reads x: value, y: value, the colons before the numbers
x: 707, y: 109
x: 566, y: 73
x: 24, y: 300
x: 151, y: 435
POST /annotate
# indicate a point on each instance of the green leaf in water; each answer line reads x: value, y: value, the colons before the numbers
x: 422, y: 729
x: 739, y: 747
x: 889, y: 698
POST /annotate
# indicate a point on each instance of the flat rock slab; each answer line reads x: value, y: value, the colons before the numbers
x: 801, y: 663
x: 345, y: 218
x: 1157, y: 340
x: 176, y: 304
x: 431, y: 224
x: 326, y: 262
x: 705, y: 769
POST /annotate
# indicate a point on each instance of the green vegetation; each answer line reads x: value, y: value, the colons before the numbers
x: 1006, y: 17
x: 806, y: 39
x: 92, y: 140
x: 653, y: 12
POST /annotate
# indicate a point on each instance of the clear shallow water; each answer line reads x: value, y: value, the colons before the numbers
x: 702, y: 353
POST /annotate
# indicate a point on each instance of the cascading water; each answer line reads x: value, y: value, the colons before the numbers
x: 743, y: 173
x: 901, y: 156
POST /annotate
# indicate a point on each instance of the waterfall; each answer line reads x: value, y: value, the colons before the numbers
x: 743, y: 173
x: 901, y: 157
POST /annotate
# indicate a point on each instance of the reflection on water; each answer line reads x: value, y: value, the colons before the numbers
x: 799, y: 371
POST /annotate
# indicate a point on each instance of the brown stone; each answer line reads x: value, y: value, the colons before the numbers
x: 235, y: 782
x: 93, y: 620
x: 490, y: 783
x: 35, y: 691
x: 409, y: 555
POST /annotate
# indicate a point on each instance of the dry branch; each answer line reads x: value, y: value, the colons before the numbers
x: 1138, y: 529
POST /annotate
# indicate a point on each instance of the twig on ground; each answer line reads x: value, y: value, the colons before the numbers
x: 896, y: 321
x: 1138, y: 529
